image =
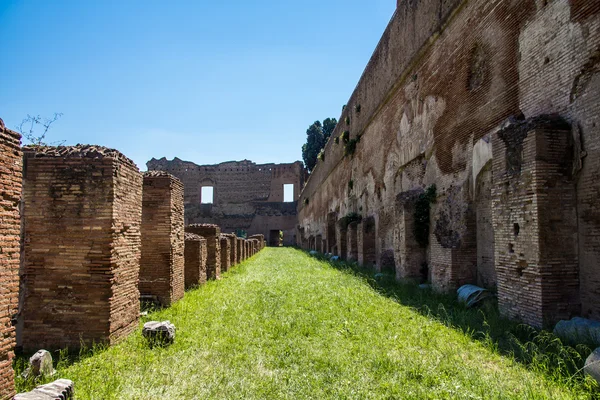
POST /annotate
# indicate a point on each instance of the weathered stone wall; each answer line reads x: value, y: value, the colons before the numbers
x: 195, y: 260
x: 11, y: 161
x: 443, y: 80
x: 212, y: 234
x: 246, y: 196
x: 82, y: 211
x: 162, y: 266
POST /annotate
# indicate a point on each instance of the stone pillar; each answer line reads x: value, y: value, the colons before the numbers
x: 225, y: 253
x: 535, y: 222
x: 195, y: 260
x: 82, y: 213
x: 261, y: 241
x: 11, y: 161
x: 162, y: 269
x: 212, y: 234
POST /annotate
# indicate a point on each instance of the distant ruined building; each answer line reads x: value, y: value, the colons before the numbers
x: 492, y: 108
x: 245, y: 196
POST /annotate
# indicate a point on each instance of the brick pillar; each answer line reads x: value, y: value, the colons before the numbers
x: 409, y: 254
x: 261, y: 241
x: 232, y: 249
x: 11, y: 161
x: 162, y: 270
x: 212, y: 234
x: 195, y: 260
x: 82, y: 212
x: 342, y: 239
x: 535, y: 222
x: 225, y: 253
x: 353, y: 241
x: 240, y: 249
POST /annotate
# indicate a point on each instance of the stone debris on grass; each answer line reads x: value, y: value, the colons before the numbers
x: 578, y: 331
x: 159, y: 332
x: 61, y: 389
x: 40, y: 364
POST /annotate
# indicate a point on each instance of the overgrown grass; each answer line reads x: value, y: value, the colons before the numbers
x: 285, y: 325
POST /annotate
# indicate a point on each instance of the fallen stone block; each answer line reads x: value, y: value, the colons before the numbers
x: 578, y: 331
x: 159, y: 332
x: 40, y: 364
x: 592, y: 365
x: 471, y: 295
x: 61, y: 389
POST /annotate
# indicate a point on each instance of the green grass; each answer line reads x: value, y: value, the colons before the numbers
x: 285, y: 325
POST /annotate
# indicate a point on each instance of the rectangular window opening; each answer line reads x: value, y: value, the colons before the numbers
x: 288, y: 193
x: 207, y: 194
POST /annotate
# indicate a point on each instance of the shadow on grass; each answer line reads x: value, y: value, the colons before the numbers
x: 538, y: 350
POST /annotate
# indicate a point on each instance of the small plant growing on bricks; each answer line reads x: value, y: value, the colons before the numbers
x: 350, y: 147
x: 322, y: 155
x: 421, y: 215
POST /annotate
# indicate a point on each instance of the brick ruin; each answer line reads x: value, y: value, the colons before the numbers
x: 162, y: 264
x: 225, y: 253
x: 82, y: 212
x: 11, y: 162
x: 485, y: 171
x: 212, y: 234
x: 195, y: 260
x: 246, y: 196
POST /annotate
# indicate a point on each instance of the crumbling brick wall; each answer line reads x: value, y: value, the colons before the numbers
x: 82, y: 211
x: 246, y: 196
x: 162, y: 265
x: 261, y: 240
x: 233, y: 257
x: 11, y: 161
x: 240, y: 250
x: 225, y: 253
x: 195, y: 260
x: 212, y: 234
x: 413, y: 125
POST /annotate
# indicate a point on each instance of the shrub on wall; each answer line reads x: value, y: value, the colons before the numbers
x: 357, y: 108
x: 346, y: 136
x: 350, y: 146
x: 421, y: 215
x: 322, y: 155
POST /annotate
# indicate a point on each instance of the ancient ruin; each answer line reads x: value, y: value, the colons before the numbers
x: 225, y: 253
x: 195, y: 260
x: 212, y: 234
x: 162, y: 264
x: 82, y: 212
x: 10, y: 224
x: 247, y: 197
x: 483, y: 171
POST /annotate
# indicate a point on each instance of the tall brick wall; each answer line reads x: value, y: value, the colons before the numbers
x: 246, y: 196
x: 421, y: 125
x: 82, y: 210
x: 212, y: 234
x: 11, y: 161
x: 225, y: 253
x: 195, y: 260
x: 162, y: 266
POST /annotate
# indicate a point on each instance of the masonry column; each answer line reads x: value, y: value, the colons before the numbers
x: 212, y: 234
x: 225, y: 253
x: 11, y: 161
x: 162, y: 272
x: 82, y: 214
x: 195, y: 260
x: 233, y: 259
x: 535, y: 222
x: 240, y: 249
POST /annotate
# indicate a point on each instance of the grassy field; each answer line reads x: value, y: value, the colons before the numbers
x: 285, y: 325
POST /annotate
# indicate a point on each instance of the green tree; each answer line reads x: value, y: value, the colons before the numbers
x: 316, y: 137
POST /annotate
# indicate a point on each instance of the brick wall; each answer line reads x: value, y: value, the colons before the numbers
x: 162, y: 266
x: 233, y: 258
x: 11, y: 161
x: 225, y: 253
x: 212, y: 234
x: 240, y: 250
x: 82, y: 210
x: 195, y: 260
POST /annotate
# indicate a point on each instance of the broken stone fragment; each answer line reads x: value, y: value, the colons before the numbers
x: 592, y: 365
x: 578, y: 331
x: 40, y: 364
x: 61, y: 389
x: 159, y: 332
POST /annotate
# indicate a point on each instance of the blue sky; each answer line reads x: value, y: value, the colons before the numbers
x: 206, y: 81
